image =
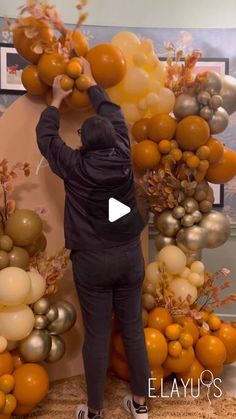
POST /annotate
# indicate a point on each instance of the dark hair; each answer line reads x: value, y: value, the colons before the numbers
x: 97, y: 133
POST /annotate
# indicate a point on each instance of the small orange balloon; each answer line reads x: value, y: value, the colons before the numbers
x: 227, y: 334
x: 139, y: 129
x: 173, y: 331
x: 186, y: 340
x: 216, y: 150
x: 192, y: 132
x: 164, y: 147
x: 190, y: 326
x: 6, y: 363
x: 2, y: 400
x: 67, y: 83
x: 107, y: 63
x: 7, y: 383
x: 50, y: 66
x: 159, y: 318
x: 83, y: 82
x: 177, y: 154
x: 182, y: 363
x: 193, y: 373
x: 193, y: 162
x: 73, y: 69
x: 78, y: 100
x: 31, y: 384
x: 10, y: 404
x: 157, y: 374
x: 146, y: 155
x: 17, y: 359
x: 23, y: 409
x: 203, y: 152
x: 161, y: 127
x: 210, y: 351
x: 224, y: 170
x: 31, y: 81
x: 156, y: 345
x: 174, y: 348
x: 120, y: 367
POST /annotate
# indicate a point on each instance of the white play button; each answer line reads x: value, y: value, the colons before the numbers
x: 116, y: 210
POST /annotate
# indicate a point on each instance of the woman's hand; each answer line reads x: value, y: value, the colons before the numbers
x: 58, y: 93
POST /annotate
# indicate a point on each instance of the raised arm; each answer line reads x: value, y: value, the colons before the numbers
x: 106, y: 108
x: 59, y: 156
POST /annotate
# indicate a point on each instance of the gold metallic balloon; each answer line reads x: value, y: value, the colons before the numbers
x: 197, y: 216
x: 162, y: 241
x: 190, y: 205
x: 205, y: 206
x: 6, y: 243
x: 204, y: 98
x: 65, y: 320
x: 217, y: 227
x: 192, y: 239
x: 41, y: 322
x: 219, y: 121
x: 37, y: 246
x: 148, y: 301
x: 24, y: 226
x: 187, y: 220
x: 4, y: 259
x: 185, y: 105
x: 41, y: 306
x: 52, y: 314
x: 36, y: 346
x: 167, y: 224
x: 212, y: 83
x: 206, y: 112
x: 215, y: 102
x: 228, y: 93
x: 19, y: 257
x: 192, y: 257
x: 178, y: 212
x: 57, y: 349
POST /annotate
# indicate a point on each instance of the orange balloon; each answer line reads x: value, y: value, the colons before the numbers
x: 146, y: 155
x: 210, y: 351
x: 139, y: 129
x: 31, y: 384
x: 83, y: 82
x: 216, y: 150
x: 78, y: 100
x: 107, y: 63
x: 227, y: 334
x: 190, y: 326
x: 120, y: 367
x: 158, y: 375
x: 10, y: 404
x: 17, y: 359
x: 50, y: 66
x: 193, y: 373
x: 23, y: 409
x: 118, y: 346
x: 6, y: 363
x: 192, y: 132
x: 161, y: 127
x: 2, y: 416
x: 66, y: 82
x: 23, y: 44
x: 73, y: 69
x: 31, y: 81
x: 216, y: 371
x: 182, y: 363
x: 157, y: 348
x: 7, y: 383
x: 224, y: 170
x: 80, y: 43
x: 159, y: 318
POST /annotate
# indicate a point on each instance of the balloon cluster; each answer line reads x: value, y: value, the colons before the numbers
x: 142, y: 92
x: 22, y: 386
x: 44, y: 342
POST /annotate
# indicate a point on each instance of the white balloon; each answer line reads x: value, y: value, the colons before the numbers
x: 16, y: 322
x: 173, y: 259
x: 14, y: 286
x: 3, y: 344
x: 38, y: 287
x: 183, y: 289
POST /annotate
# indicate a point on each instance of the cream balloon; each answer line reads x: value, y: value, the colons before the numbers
x: 14, y: 286
x: 183, y: 290
x: 38, y: 287
x: 196, y: 279
x: 128, y: 42
x: 197, y: 267
x: 131, y: 112
x: 166, y: 101
x: 152, y: 272
x: 16, y: 322
x: 135, y: 82
x: 3, y: 344
x: 185, y: 273
x: 173, y: 259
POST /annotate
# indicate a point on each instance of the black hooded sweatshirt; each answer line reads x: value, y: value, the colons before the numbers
x: 91, y: 178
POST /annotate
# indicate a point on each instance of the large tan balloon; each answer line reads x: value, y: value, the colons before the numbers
x: 182, y: 288
x: 24, y: 226
x: 19, y: 257
x: 14, y: 286
x: 16, y: 322
x: 38, y: 287
x: 173, y: 258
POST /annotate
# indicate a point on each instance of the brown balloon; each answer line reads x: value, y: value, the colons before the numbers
x: 19, y: 257
x: 24, y: 226
x: 37, y: 246
x: 6, y: 243
x: 4, y: 259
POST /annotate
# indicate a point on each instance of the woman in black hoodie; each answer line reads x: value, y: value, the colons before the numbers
x: 106, y: 256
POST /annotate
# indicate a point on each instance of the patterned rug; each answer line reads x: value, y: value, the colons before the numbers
x: 64, y: 395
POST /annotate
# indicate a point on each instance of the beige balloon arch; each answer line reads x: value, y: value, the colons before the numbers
x: 44, y: 189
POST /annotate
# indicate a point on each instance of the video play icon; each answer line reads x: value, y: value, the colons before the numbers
x: 116, y: 210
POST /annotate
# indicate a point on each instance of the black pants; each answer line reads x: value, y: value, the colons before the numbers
x: 107, y: 279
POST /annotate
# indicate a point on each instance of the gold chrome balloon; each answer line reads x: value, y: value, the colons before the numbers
x: 41, y: 306
x: 162, y: 241
x: 192, y: 239
x: 57, y: 349
x: 185, y: 105
x: 219, y: 121
x: 65, y: 320
x: 41, y: 322
x: 167, y: 224
x: 52, y: 314
x: 217, y: 227
x: 36, y: 346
